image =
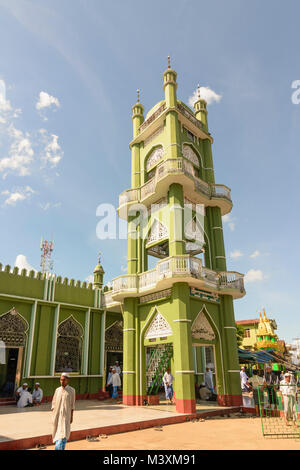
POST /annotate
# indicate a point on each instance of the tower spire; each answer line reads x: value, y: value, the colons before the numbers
x: 98, y: 273
x: 169, y: 62
x: 200, y: 109
x: 137, y: 114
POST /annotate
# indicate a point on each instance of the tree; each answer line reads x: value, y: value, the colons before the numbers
x: 239, y: 335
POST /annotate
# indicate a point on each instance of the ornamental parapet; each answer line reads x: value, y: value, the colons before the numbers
x: 267, y: 344
x: 171, y: 171
x: 183, y: 268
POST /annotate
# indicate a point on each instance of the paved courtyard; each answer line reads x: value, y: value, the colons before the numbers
x: 16, y: 423
x: 234, y: 433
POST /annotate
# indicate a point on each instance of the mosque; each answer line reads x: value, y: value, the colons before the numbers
x: 174, y: 307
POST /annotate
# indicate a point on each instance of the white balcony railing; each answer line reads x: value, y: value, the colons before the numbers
x: 171, y: 167
x: 178, y: 266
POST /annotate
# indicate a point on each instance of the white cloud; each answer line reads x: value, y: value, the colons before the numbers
x: 52, y: 152
x: 20, y: 154
x: 5, y: 105
x: 254, y: 275
x: 236, y: 254
x: 255, y: 254
x: 49, y: 205
x: 228, y: 219
x: 22, y: 263
x: 89, y: 279
x: 18, y: 195
x: 207, y: 93
x: 46, y: 100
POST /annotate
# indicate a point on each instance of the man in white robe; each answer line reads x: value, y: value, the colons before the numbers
x: 115, y: 381
x: 37, y: 394
x: 20, y: 390
x: 25, y: 399
x: 63, y: 405
x: 288, y: 391
x: 208, y: 378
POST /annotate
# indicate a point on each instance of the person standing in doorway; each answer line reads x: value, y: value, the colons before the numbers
x: 115, y: 382
x: 168, y: 384
x: 208, y: 378
x: 109, y: 386
x: 63, y: 405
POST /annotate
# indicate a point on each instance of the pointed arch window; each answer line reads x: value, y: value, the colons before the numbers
x: 13, y: 328
x: 69, y: 346
x: 201, y: 328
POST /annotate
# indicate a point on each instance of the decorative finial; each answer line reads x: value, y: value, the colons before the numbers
x: 169, y: 62
x: 99, y: 257
x: 198, y: 88
x: 138, y: 95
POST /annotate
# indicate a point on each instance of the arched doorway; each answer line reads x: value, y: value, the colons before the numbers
x: 13, y: 337
x: 113, y: 346
x: 204, y: 344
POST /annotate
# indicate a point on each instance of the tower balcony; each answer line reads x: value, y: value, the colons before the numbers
x: 183, y: 268
x: 180, y: 171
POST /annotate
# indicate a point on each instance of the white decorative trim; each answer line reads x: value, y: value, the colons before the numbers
x: 234, y: 371
x: 159, y: 327
x: 158, y: 231
x: 184, y: 371
x: 54, y: 339
x: 189, y: 153
x: 215, y: 228
x: 220, y: 257
x: 233, y: 327
x: 128, y: 329
x: 155, y: 156
x: 56, y: 376
x: 128, y: 371
x: 86, y: 341
x: 201, y: 328
x: 30, y: 339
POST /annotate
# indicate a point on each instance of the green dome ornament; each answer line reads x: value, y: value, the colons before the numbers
x: 98, y: 274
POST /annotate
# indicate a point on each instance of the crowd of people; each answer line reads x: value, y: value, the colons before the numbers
x: 275, y: 386
x: 26, y: 397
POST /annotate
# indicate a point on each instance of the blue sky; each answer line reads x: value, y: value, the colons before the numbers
x: 64, y: 152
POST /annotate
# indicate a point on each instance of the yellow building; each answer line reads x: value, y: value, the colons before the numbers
x: 260, y: 333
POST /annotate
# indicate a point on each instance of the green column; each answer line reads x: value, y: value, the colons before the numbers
x: 184, y: 385
x: 129, y: 351
x: 132, y: 246
x: 230, y: 353
x: 135, y: 166
x: 215, y: 233
x: 208, y: 162
x: 176, y: 204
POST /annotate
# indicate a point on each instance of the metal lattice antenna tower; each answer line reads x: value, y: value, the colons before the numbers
x: 46, y: 252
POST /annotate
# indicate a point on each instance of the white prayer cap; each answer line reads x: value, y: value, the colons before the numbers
x: 64, y: 374
x: 37, y: 383
x: 25, y: 384
x: 287, y: 374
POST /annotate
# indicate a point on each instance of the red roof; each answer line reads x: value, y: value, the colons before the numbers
x: 247, y: 322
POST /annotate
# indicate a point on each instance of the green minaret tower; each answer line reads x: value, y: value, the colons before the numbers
x: 98, y: 275
x: 177, y: 297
